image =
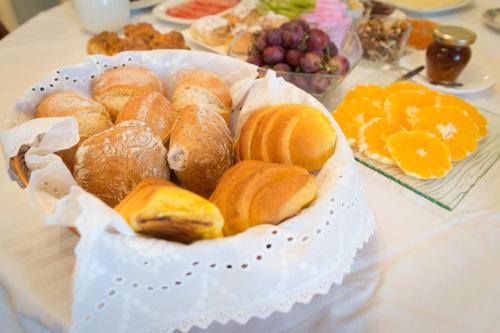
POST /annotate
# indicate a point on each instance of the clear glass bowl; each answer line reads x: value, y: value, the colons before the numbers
x: 383, y: 38
x: 318, y: 85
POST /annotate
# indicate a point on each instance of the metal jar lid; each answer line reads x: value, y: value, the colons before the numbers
x: 453, y: 35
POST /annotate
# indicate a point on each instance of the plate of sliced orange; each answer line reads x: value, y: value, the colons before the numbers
x: 436, y: 144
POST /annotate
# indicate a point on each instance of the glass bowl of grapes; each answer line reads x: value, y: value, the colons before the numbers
x: 303, y: 55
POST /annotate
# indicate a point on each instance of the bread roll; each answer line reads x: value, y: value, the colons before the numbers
x: 91, y: 117
x: 114, y: 88
x: 158, y: 208
x: 200, y: 87
x: 254, y: 192
x: 288, y: 133
x: 110, y: 164
x: 200, y: 149
x: 152, y: 108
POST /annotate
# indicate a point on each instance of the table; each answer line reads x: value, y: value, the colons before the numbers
x: 425, y: 270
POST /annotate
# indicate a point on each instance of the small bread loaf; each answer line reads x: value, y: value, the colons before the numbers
x: 110, y: 164
x: 91, y: 117
x: 114, y: 88
x: 160, y: 209
x: 200, y: 149
x: 152, y: 108
x: 255, y: 192
x: 288, y: 133
x: 200, y: 87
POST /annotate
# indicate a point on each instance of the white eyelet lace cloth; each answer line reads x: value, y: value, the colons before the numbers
x: 127, y: 283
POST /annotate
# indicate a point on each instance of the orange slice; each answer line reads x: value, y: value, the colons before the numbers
x: 404, y: 86
x: 372, y: 139
x: 452, y: 125
x: 420, y: 154
x: 402, y: 106
x: 471, y: 111
x: 354, y: 113
x: 374, y: 93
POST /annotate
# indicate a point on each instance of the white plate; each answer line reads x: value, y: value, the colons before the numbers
x: 492, y: 17
x: 475, y: 77
x: 142, y: 4
x: 190, y: 38
x: 160, y: 11
x: 434, y: 8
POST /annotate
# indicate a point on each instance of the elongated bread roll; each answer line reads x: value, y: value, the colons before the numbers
x: 91, y: 117
x: 114, y: 88
x: 255, y: 192
x: 288, y: 133
x: 200, y: 87
x: 200, y: 149
x: 110, y: 164
x: 152, y: 108
x: 159, y: 208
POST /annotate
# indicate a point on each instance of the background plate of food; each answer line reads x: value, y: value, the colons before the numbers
x: 187, y: 12
x: 142, y: 4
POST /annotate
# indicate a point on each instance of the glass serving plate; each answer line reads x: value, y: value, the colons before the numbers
x: 450, y: 190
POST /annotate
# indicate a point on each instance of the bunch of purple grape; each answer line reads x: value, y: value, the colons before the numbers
x: 295, y: 47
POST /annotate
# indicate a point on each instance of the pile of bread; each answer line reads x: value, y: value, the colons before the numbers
x: 235, y: 28
x: 132, y: 136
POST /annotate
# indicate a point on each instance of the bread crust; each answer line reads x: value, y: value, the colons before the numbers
x: 254, y: 192
x: 197, y: 86
x: 114, y: 88
x: 111, y: 163
x: 91, y: 117
x: 288, y: 133
x: 152, y: 108
x: 200, y: 149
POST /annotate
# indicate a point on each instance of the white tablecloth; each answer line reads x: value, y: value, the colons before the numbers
x: 426, y: 269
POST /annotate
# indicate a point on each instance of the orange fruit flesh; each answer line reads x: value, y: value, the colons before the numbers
x: 373, y: 137
x: 452, y: 125
x: 403, y: 86
x: 471, y: 111
x: 420, y: 154
x: 354, y: 113
x: 373, y: 92
x: 402, y: 106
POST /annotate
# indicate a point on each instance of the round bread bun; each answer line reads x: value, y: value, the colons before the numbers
x: 152, y: 108
x: 200, y: 149
x: 200, y: 87
x: 91, y: 117
x: 114, y: 88
x: 110, y: 164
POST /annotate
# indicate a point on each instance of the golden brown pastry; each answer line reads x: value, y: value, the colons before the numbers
x: 152, y: 108
x: 245, y: 14
x: 160, y: 209
x: 200, y: 87
x: 114, y: 88
x: 170, y: 40
x: 288, y: 133
x: 91, y: 117
x: 255, y: 192
x: 239, y: 43
x: 211, y: 30
x: 111, y: 163
x: 107, y: 43
x: 200, y: 149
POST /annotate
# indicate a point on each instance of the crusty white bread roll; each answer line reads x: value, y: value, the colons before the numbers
x: 200, y: 87
x: 114, y: 87
x: 254, y: 192
x: 287, y: 133
x: 91, y: 117
x: 152, y: 108
x: 200, y: 149
x: 159, y: 208
x: 111, y: 163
